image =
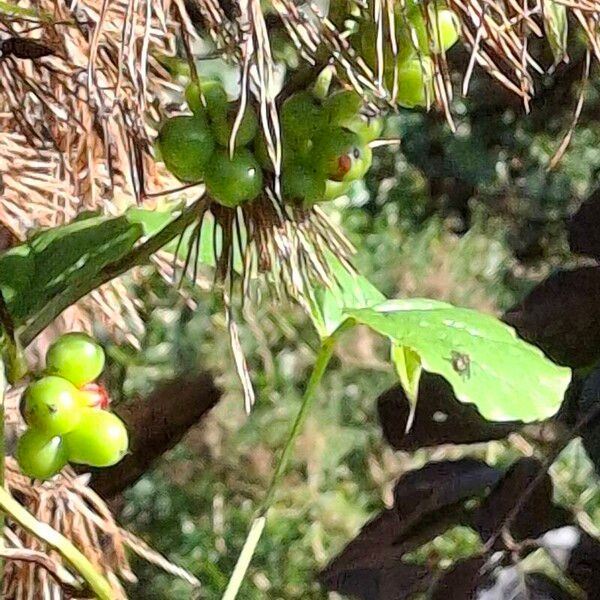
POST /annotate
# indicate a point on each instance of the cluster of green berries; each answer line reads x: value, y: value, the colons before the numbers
x: 418, y: 38
x: 194, y: 148
x: 67, y: 414
x: 325, y: 146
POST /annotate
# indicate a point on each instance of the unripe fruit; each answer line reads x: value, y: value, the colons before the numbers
x: 75, y: 357
x: 222, y: 126
x: 301, y: 118
x: 186, y: 144
x: 52, y: 405
x: 234, y: 181
x: 415, y: 87
x: 443, y: 33
x: 40, y: 456
x: 101, y: 439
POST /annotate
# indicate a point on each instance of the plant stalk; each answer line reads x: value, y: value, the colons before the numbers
x: 260, y: 520
x: 20, y: 515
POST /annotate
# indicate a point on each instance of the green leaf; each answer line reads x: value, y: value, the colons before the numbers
x: 408, y: 366
x: 350, y: 290
x: 557, y: 28
x: 481, y: 357
x: 54, y: 259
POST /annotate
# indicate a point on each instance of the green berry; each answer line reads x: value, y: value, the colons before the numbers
x: 52, y: 405
x: 222, y: 126
x: 233, y: 181
x: 76, y: 357
x: 100, y: 440
x: 186, y: 144
x: 415, y: 82
x: 40, y: 456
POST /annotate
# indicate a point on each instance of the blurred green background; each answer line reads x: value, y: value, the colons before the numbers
x: 473, y: 217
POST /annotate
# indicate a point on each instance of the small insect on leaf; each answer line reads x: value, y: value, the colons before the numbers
x: 461, y: 363
x: 23, y: 48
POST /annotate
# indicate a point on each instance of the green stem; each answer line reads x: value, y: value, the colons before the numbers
x: 3, y: 388
x: 96, y: 583
x: 259, y: 522
x: 137, y: 257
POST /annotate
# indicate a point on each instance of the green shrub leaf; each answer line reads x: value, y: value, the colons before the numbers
x: 349, y: 290
x: 482, y: 358
x: 54, y: 259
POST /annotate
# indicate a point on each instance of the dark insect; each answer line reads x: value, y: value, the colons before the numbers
x: 461, y: 363
x: 23, y: 48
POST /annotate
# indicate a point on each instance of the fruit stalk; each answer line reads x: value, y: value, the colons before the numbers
x: 259, y: 522
x: 3, y: 388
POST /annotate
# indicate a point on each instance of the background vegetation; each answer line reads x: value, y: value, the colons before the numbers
x: 474, y: 218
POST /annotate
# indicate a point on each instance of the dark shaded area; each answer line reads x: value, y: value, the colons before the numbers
x: 439, y: 418
x: 560, y: 316
x: 439, y: 485
x: 536, y: 511
x: 461, y: 581
x: 426, y: 502
x: 585, y: 413
x: 584, y: 565
x: 584, y: 228
x: 156, y: 425
x: 472, y: 578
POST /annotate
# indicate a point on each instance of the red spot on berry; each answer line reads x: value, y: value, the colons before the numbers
x: 96, y: 395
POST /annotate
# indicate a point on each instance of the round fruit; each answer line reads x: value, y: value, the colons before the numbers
x: 335, y: 150
x: 415, y: 83
x: 101, y: 439
x: 301, y: 118
x: 303, y: 183
x: 368, y: 45
x: 40, y: 456
x: 367, y: 128
x: 186, y: 144
x: 95, y: 396
x: 76, y: 357
x: 335, y: 189
x: 232, y: 181
x: 193, y: 97
x: 261, y: 154
x: 443, y: 30
x: 215, y: 97
x: 222, y: 126
x: 52, y: 405
x: 341, y: 107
